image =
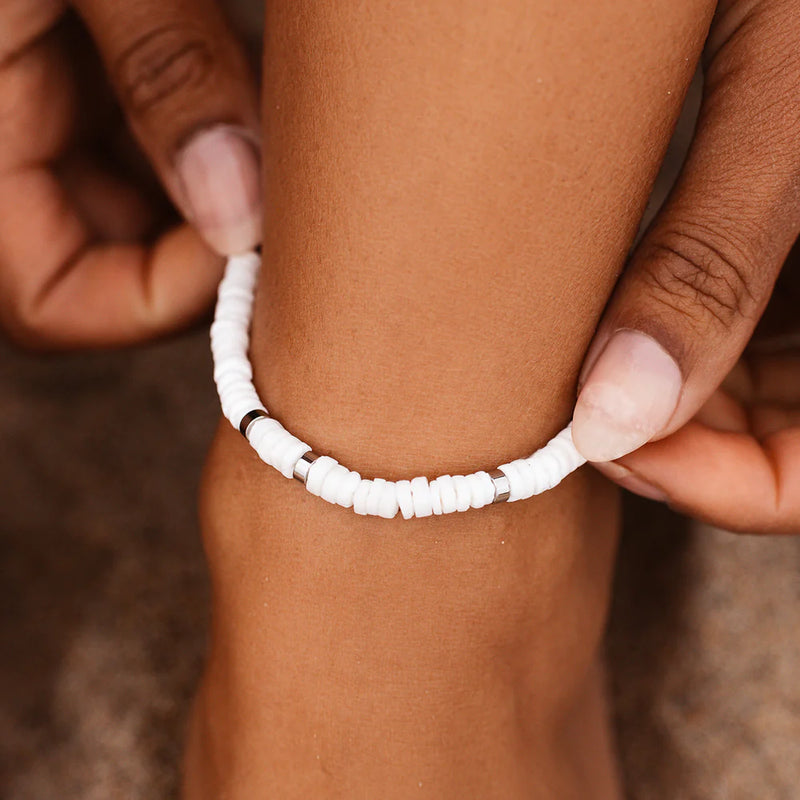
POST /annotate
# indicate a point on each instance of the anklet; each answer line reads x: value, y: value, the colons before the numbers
x: 324, y: 476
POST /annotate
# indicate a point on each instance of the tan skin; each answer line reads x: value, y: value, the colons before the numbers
x: 702, y: 277
x: 442, y: 232
x: 91, y: 252
x: 745, y: 440
x: 450, y: 193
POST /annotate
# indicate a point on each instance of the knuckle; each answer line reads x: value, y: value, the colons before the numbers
x: 161, y: 64
x: 703, y: 276
x: 23, y: 23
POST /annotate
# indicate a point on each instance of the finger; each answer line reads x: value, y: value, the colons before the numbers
x: 74, y: 291
x: 186, y: 88
x: 702, y: 275
x: 24, y: 21
x: 109, y: 204
x: 37, y: 90
x: 698, y: 470
x: 765, y: 421
x: 774, y: 378
x: 759, y: 396
x: 58, y: 285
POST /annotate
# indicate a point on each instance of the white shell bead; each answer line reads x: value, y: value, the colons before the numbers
x: 436, y: 498
x: 260, y: 428
x: 526, y: 479
x: 549, y: 470
x: 387, y: 506
x: 264, y: 444
x: 516, y: 480
x: 347, y: 489
x: 317, y: 472
x: 404, y: 499
x: 374, y: 496
x: 230, y: 381
x: 279, y: 448
x: 447, y: 493
x: 481, y: 489
x: 421, y: 497
x: 360, y: 497
x: 461, y: 485
x: 238, y: 364
x: 539, y: 478
x: 333, y: 481
x: 291, y: 455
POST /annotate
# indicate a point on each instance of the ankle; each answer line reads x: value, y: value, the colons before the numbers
x: 372, y: 654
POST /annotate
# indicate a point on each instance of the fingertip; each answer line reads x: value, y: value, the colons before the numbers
x: 234, y: 239
x: 629, y: 396
x: 219, y: 176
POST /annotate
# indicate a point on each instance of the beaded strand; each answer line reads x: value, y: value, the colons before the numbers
x: 327, y: 478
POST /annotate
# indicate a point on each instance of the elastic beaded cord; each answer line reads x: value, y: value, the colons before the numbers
x: 324, y: 476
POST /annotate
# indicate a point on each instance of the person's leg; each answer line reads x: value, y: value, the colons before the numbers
x: 451, y: 189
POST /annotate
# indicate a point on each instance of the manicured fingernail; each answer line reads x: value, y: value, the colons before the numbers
x: 219, y: 172
x: 633, y: 483
x: 629, y: 396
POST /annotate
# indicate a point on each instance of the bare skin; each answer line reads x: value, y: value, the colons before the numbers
x: 91, y: 253
x: 435, y: 189
x: 719, y: 425
x: 450, y: 194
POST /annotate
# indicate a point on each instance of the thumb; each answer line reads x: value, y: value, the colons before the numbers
x: 186, y: 88
x: 701, y: 277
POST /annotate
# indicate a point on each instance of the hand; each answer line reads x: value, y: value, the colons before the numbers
x: 695, y: 289
x: 91, y: 253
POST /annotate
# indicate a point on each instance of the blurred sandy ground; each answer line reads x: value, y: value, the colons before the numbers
x: 104, y: 598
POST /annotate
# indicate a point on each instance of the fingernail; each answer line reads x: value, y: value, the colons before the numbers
x: 629, y: 396
x: 633, y: 483
x: 219, y: 173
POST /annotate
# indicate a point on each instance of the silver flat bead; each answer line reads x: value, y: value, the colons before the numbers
x: 502, y: 487
x: 303, y: 465
x: 249, y: 418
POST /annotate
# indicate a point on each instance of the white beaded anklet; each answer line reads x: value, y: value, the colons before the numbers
x: 323, y: 475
